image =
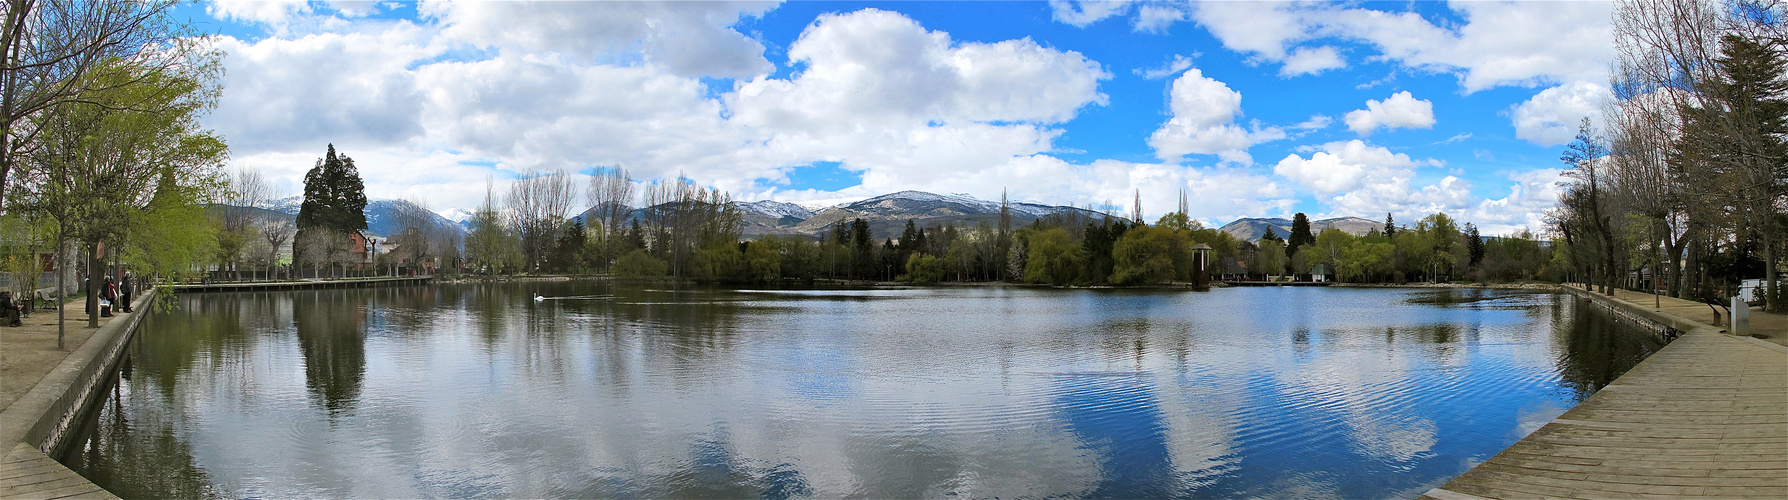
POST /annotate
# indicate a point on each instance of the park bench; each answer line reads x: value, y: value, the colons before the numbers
x: 44, y: 296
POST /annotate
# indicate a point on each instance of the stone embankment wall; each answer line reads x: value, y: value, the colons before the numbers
x: 1667, y: 327
x: 81, y: 377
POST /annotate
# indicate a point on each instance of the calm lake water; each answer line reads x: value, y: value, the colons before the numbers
x: 650, y: 391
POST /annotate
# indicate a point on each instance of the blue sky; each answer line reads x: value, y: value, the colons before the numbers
x: 1250, y: 108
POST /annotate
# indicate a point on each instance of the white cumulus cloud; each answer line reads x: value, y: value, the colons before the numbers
x: 1500, y: 43
x: 1203, y: 122
x: 1400, y: 110
x: 1551, y: 117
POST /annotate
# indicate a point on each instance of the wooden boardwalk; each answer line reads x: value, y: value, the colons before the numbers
x: 28, y: 473
x: 1707, y: 416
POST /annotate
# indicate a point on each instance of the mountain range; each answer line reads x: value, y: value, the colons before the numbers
x: 1251, y: 229
x: 886, y: 214
x: 381, y: 215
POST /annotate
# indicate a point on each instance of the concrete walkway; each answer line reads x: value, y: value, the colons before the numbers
x: 1707, y: 416
x: 36, y: 375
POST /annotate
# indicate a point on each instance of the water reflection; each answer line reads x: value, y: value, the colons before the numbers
x: 332, y: 337
x: 622, y: 390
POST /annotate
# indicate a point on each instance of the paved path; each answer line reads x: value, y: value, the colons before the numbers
x: 1770, y: 325
x: 1706, y: 416
x: 28, y: 473
x: 28, y: 352
x: 29, y: 359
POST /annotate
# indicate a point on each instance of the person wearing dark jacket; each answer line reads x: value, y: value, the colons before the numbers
x: 125, y: 290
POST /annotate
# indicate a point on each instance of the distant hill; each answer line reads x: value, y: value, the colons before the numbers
x: 381, y: 215
x: 886, y: 214
x: 1251, y: 229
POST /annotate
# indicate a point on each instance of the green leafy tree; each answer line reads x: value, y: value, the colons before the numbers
x: 1148, y: 255
x: 1270, y: 260
x: 104, y: 158
x: 1327, y: 251
x: 1053, y: 257
x: 641, y: 264
x: 924, y: 269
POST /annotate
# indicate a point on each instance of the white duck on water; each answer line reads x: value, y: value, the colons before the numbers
x: 538, y: 298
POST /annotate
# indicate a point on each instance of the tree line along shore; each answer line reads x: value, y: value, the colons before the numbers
x: 1683, y: 188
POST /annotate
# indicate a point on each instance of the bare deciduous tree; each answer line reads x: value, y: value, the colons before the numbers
x: 610, y: 195
x: 539, y: 203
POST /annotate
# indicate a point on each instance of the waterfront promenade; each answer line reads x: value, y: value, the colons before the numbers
x: 35, y: 376
x: 1706, y: 416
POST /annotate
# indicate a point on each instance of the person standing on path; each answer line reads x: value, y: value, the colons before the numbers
x: 124, y: 292
x: 109, y: 295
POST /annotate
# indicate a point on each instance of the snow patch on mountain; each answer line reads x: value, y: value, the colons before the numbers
x: 777, y: 209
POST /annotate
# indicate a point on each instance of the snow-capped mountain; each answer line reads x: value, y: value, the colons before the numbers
x: 777, y: 209
x: 381, y: 215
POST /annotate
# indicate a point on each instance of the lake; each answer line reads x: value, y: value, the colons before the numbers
x: 631, y: 390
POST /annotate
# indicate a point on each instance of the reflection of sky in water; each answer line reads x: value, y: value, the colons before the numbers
x: 693, y: 392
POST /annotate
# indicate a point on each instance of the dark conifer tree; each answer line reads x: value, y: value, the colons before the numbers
x: 1300, y: 234
x: 1270, y: 236
x: 864, y: 243
x: 334, y: 196
x: 1390, y: 226
x: 1474, y: 244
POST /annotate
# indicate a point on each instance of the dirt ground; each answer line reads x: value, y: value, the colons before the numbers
x: 28, y: 352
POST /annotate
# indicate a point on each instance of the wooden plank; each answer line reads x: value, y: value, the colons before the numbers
x: 1702, y: 417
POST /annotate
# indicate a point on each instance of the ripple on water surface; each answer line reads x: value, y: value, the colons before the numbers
x: 605, y: 390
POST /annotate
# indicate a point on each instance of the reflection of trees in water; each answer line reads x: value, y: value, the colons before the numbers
x: 402, y: 310
x: 143, y: 459
x: 210, y: 328
x: 332, y: 336
x: 1596, y: 347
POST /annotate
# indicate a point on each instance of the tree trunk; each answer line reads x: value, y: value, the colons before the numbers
x: 61, y: 288
x: 95, y: 280
x: 1673, y: 249
x: 1771, y: 302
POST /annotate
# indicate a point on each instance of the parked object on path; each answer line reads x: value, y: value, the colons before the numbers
x: 1741, y: 317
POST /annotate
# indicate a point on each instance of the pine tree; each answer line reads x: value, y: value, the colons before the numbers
x: 1270, y: 236
x: 334, y: 195
x: 334, y: 205
x: 1474, y: 244
x: 1390, y: 226
x: 1300, y: 234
